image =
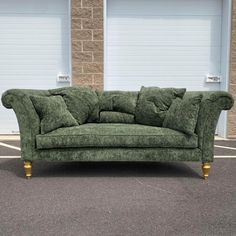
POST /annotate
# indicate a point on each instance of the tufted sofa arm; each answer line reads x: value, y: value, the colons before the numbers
x: 28, y: 120
x: 211, y: 106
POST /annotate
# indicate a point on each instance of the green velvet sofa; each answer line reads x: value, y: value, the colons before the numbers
x: 112, y: 126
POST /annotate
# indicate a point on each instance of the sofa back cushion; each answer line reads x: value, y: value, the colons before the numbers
x: 183, y: 114
x: 82, y: 102
x: 116, y: 117
x: 53, y: 113
x: 153, y: 103
x: 117, y: 106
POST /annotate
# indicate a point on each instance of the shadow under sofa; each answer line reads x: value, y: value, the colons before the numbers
x: 131, y: 141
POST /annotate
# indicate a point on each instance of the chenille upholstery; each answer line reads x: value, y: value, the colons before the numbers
x: 100, y: 138
x: 117, y: 107
x: 153, y: 103
x: 50, y: 117
x: 115, y: 135
x: 81, y: 102
x: 116, y: 117
x: 183, y: 113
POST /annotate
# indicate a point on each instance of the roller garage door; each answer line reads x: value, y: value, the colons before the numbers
x: 34, y: 48
x: 163, y: 43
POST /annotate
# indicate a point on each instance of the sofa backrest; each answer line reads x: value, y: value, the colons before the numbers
x: 119, y: 106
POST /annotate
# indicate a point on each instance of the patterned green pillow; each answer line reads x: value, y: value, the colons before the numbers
x: 53, y: 113
x: 183, y: 114
x: 153, y: 103
x: 82, y: 102
x: 120, y: 101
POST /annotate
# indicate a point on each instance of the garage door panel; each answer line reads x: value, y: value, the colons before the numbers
x: 27, y: 78
x: 46, y: 82
x: 150, y: 62
x: 35, y: 21
x: 38, y: 27
x: 178, y: 7
x: 29, y: 6
x: 157, y: 42
x: 160, y: 67
x: 154, y: 61
x: 166, y: 38
x: 189, y: 59
x: 174, y: 23
x: 147, y: 51
x: 30, y: 49
x: 154, y: 31
x: 34, y: 48
x: 157, y: 74
x: 151, y: 81
x: 167, y: 42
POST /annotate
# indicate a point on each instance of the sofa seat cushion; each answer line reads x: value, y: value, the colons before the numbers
x: 115, y: 135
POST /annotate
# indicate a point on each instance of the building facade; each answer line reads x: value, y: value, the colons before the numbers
x: 88, y: 50
x: 118, y: 45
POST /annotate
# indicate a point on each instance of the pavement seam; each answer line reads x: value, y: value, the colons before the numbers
x: 226, y: 147
x: 9, y: 146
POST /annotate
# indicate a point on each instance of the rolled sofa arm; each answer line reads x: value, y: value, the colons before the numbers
x: 211, y: 106
x: 28, y: 120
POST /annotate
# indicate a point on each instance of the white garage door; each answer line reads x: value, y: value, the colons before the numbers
x: 34, y: 48
x: 162, y: 43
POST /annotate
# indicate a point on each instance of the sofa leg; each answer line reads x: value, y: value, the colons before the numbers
x: 28, y: 169
x: 206, y: 169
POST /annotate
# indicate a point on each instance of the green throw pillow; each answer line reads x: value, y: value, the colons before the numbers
x: 82, y: 102
x: 53, y: 113
x: 153, y: 103
x: 120, y: 101
x: 183, y: 114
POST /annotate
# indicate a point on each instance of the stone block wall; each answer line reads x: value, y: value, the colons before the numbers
x: 87, y: 43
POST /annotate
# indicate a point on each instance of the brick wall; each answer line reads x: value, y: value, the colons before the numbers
x: 87, y: 43
x: 232, y: 82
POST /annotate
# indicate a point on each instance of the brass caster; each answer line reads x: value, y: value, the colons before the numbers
x: 206, y: 169
x: 28, y: 169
